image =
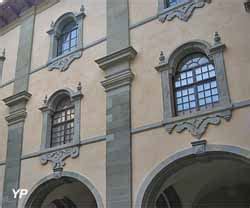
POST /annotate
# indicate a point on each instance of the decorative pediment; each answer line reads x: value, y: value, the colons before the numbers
x: 182, y: 11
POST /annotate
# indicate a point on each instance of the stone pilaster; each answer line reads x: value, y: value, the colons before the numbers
x: 17, y: 112
x: 117, y: 85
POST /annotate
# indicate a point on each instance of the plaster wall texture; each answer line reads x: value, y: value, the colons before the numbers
x: 4, y: 92
x: 90, y: 164
x: 95, y: 15
x: 9, y: 41
x: 93, y: 104
x: 152, y: 147
x: 154, y: 37
x: 141, y: 9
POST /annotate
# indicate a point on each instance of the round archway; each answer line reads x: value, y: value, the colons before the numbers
x: 70, y: 191
x: 219, y: 178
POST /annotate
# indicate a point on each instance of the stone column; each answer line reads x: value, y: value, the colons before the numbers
x: 17, y: 111
x: 117, y: 85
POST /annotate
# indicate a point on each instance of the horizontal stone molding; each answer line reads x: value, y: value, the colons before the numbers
x: 182, y: 11
x: 16, y: 117
x: 117, y: 57
x: 118, y: 80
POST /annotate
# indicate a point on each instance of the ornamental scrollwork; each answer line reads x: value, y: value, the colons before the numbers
x: 63, y: 63
x: 198, y: 126
x: 183, y: 11
x: 57, y: 158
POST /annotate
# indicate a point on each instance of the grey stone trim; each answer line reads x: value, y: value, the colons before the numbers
x: 183, y: 11
x: 196, y: 123
x: 46, y: 184
x: 25, y: 46
x: 247, y: 5
x: 118, y: 80
x: 57, y: 157
x: 117, y: 57
x: 199, y: 147
x: 164, y: 168
x: 17, y: 107
x: 147, y: 127
x: 62, y: 62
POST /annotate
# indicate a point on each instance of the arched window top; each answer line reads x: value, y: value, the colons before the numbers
x: 64, y: 103
x: 68, y: 27
x: 193, y: 61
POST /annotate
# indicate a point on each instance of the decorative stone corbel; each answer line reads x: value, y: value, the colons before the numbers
x: 199, y: 147
x: 57, y: 159
x: 183, y: 11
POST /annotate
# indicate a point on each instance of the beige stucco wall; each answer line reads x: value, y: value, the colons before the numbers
x: 152, y: 147
x: 95, y: 15
x: 90, y: 164
x: 139, y: 10
x: 154, y: 37
x: 93, y: 105
x: 4, y: 93
x: 9, y: 41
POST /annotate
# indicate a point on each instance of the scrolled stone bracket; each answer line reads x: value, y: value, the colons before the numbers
x: 58, y: 157
x: 197, y: 126
x: 183, y: 11
x: 63, y: 63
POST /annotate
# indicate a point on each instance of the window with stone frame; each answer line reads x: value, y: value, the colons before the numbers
x: 66, y: 40
x: 195, y: 88
x: 62, y: 128
x: 61, y: 118
x: 170, y: 3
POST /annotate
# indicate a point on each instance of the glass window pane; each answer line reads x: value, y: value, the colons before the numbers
x: 183, y: 82
x: 198, y: 78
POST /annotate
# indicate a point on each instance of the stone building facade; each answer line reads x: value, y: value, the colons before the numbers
x: 125, y: 103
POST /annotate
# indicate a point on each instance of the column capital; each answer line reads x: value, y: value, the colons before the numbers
x: 113, y: 59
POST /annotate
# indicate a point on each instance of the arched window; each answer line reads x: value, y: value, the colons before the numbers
x: 195, y: 88
x: 62, y: 131
x: 195, y: 84
x: 67, y: 40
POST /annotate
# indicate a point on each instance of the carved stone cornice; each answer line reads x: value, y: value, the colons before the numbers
x: 117, y: 57
x: 118, y: 80
x: 63, y: 63
x: 247, y: 5
x: 23, y: 96
x: 197, y: 125
x: 183, y: 11
x: 17, y: 107
x: 58, y: 157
